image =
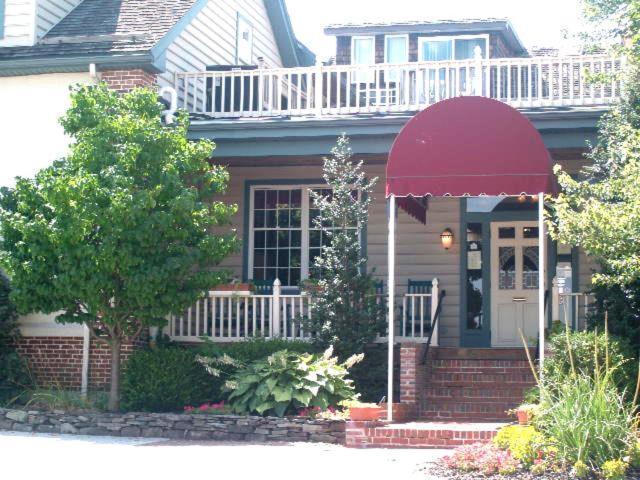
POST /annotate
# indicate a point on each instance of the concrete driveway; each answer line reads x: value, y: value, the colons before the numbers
x: 70, y: 457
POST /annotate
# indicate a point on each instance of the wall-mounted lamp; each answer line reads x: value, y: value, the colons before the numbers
x: 446, y: 237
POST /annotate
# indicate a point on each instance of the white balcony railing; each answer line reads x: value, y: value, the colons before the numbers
x: 385, y: 88
x: 229, y: 316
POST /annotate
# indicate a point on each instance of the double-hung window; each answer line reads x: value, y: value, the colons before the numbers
x: 396, y: 50
x: 363, y: 52
x: 284, y: 239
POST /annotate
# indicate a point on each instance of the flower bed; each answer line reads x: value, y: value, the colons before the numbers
x: 201, y: 426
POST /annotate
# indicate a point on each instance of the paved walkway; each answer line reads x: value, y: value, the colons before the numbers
x: 70, y: 457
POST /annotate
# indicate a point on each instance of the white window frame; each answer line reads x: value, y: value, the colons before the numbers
x: 452, y: 38
x: 241, y: 60
x: 304, y: 223
x: 386, y: 50
x: 367, y: 76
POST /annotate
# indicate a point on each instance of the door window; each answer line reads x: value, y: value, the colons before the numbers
x: 507, y: 265
x: 530, y: 268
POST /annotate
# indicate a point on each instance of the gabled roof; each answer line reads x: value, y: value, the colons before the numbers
x: 103, y: 28
x: 501, y: 26
x: 128, y: 34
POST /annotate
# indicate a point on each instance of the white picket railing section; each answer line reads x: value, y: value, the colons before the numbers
x: 229, y: 316
x: 347, y: 89
x: 418, y: 314
x: 574, y: 308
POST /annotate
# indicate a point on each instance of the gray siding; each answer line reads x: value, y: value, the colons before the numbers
x: 210, y: 38
x: 18, y: 22
x: 419, y: 254
x: 50, y: 12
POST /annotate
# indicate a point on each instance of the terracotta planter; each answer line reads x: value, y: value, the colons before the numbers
x: 364, y: 414
x: 524, y: 417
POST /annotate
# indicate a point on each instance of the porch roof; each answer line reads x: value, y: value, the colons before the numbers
x: 469, y: 146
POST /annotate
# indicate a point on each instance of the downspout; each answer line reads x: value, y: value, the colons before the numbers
x: 86, y: 335
x: 86, y: 341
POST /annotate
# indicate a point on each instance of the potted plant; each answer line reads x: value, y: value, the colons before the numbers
x: 364, y: 412
x: 233, y: 286
x: 525, y: 413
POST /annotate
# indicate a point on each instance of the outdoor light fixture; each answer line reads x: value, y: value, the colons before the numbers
x: 446, y: 237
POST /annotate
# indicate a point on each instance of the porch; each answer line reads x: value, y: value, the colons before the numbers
x: 335, y: 90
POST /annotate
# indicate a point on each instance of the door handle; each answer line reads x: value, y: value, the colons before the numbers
x: 519, y: 299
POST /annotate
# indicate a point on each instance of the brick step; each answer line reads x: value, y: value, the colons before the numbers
x: 472, y: 379
x: 464, y: 363
x: 467, y: 409
x: 484, y: 371
x: 475, y: 392
x: 483, y: 353
x: 419, y: 434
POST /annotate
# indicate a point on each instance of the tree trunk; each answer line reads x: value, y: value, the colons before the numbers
x: 114, y: 392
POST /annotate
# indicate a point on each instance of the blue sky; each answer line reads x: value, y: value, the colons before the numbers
x: 538, y: 23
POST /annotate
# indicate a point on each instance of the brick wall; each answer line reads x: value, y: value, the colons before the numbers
x: 125, y: 80
x: 57, y: 361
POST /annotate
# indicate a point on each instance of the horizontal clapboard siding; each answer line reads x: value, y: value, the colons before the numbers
x: 18, y: 22
x: 50, y: 12
x: 210, y: 38
x: 420, y: 255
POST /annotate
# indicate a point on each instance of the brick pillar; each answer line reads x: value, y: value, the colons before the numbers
x: 410, y: 374
x: 126, y: 80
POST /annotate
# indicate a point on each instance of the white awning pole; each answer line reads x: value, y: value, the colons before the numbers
x: 391, y: 290
x: 541, y: 280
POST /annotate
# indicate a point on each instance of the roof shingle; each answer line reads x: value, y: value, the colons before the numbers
x: 102, y: 27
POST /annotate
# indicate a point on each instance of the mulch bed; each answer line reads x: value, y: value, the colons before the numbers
x: 444, y: 473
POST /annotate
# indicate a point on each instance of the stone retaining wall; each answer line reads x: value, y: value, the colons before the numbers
x: 176, y: 426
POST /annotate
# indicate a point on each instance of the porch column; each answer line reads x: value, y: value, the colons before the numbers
x: 541, y: 277
x: 391, y: 288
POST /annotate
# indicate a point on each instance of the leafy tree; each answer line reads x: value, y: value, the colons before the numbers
x: 345, y: 312
x: 599, y: 211
x: 119, y: 233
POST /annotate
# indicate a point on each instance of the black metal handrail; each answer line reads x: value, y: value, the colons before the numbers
x: 436, y: 316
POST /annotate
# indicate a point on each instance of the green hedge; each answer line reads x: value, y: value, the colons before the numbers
x: 166, y: 379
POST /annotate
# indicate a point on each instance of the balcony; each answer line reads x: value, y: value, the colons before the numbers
x: 338, y: 90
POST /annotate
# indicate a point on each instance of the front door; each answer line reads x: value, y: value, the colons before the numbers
x: 514, y: 283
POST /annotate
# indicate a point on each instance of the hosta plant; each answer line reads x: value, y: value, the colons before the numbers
x: 287, y: 382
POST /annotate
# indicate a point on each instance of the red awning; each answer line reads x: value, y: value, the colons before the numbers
x: 469, y: 146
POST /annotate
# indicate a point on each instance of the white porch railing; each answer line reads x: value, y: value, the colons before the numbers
x: 382, y: 88
x: 229, y: 316
x: 570, y: 307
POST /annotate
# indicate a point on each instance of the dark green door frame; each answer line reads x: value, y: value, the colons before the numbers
x: 481, y: 338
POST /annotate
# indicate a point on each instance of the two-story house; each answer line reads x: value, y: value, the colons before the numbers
x: 460, y: 123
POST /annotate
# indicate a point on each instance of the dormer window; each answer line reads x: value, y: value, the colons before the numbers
x: 434, y: 49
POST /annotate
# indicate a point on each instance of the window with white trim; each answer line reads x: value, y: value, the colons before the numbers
x: 396, y: 50
x: 363, y: 52
x: 284, y: 239
x: 433, y: 49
